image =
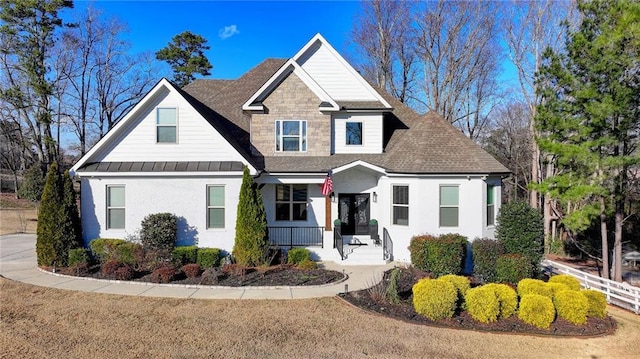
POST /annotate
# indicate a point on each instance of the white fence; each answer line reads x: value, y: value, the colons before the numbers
x: 619, y: 294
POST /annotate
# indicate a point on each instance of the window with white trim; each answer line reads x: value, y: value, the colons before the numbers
x: 354, y: 133
x: 291, y: 136
x: 449, y: 202
x: 167, y: 125
x: 291, y: 202
x: 491, y: 206
x: 400, y: 205
x: 215, y: 206
x: 115, y: 207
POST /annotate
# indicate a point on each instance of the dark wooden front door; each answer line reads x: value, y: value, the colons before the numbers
x: 353, y: 211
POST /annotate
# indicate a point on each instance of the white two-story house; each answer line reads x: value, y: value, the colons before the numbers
x: 291, y: 121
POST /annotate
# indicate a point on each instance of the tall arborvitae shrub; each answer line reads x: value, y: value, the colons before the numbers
x: 521, y: 230
x: 49, y: 236
x: 32, y: 184
x: 251, y: 242
x: 69, y: 222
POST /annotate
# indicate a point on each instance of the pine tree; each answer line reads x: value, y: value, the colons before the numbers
x: 251, y: 240
x: 185, y: 54
x: 48, y: 232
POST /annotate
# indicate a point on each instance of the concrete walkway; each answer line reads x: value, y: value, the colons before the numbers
x: 18, y: 262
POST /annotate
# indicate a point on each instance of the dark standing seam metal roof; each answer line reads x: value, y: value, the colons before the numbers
x: 212, y: 166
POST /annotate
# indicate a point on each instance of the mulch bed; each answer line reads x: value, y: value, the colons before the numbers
x: 372, y: 300
x: 278, y: 275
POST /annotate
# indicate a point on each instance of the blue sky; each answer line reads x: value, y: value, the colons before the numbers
x: 240, y: 33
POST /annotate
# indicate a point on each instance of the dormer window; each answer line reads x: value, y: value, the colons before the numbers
x: 354, y: 133
x: 291, y: 136
x: 167, y: 125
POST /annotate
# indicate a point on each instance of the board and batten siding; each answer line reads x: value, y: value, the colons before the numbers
x: 197, y: 140
x: 333, y: 76
x: 371, y: 133
x: 185, y: 197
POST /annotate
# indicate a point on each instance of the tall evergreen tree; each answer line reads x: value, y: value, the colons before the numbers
x: 251, y: 240
x: 185, y: 54
x: 69, y: 220
x: 33, y: 184
x: 48, y: 232
x: 589, y: 119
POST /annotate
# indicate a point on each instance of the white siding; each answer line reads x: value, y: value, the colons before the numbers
x: 197, y: 140
x: 371, y: 133
x: 333, y: 76
x: 185, y: 197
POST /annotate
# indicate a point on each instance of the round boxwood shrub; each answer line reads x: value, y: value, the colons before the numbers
x: 158, y: 233
x: 534, y: 286
x: 182, y: 255
x: 485, y: 254
x: 78, y: 257
x: 537, y: 310
x: 434, y: 299
x: 597, y: 303
x: 483, y: 304
x: 512, y: 268
x: 572, y: 305
x: 507, y: 297
x: 208, y: 257
x: 570, y: 281
x: 298, y: 255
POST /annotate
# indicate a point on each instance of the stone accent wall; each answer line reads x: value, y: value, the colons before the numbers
x: 292, y: 100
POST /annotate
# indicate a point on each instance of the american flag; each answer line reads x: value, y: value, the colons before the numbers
x: 327, y: 186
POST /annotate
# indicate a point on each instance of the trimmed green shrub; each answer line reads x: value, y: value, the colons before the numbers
x: 434, y: 299
x: 569, y: 281
x: 597, y: 303
x: 534, y: 286
x: 483, y: 304
x: 78, y: 257
x: 158, y: 233
x: 418, y: 251
x: 485, y: 254
x: 537, y: 310
x: 512, y: 268
x: 507, y: 297
x: 129, y: 253
x: 191, y: 270
x: 182, y: 255
x: 114, y: 249
x: 521, y: 230
x: 298, y: 255
x: 251, y: 241
x: 571, y: 305
x: 391, y: 293
x: 48, y: 236
x: 208, y: 257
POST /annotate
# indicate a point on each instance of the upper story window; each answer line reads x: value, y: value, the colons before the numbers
x: 354, y: 133
x: 291, y: 202
x: 491, y: 206
x: 449, y: 202
x: 115, y: 207
x: 291, y: 136
x: 167, y: 125
x: 401, y: 205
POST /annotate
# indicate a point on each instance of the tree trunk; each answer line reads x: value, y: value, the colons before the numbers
x: 605, y: 242
x: 617, y: 243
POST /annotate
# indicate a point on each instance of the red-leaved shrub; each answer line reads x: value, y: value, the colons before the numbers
x: 191, y: 270
x: 163, y: 274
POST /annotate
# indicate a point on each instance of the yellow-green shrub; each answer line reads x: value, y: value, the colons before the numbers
x: 461, y: 283
x: 572, y: 306
x: 533, y: 286
x: 483, y: 304
x: 537, y: 310
x: 434, y: 298
x: 556, y: 287
x: 566, y: 279
x: 597, y: 303
x: 507, y: 297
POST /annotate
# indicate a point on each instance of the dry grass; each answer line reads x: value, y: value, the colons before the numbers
x: 37, y: 322
x: 18, y: 220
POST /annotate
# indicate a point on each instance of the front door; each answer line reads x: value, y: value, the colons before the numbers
x: 353, y: 211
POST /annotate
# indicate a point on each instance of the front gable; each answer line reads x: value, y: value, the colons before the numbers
x: 141, y: 136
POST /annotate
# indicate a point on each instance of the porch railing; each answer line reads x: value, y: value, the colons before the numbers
x: 338, y: 243
x: 387, y: 245
x: 296, y: 236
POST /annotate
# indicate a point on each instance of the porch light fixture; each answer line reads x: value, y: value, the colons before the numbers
x: 333, y: 197
x: 375, y: 197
